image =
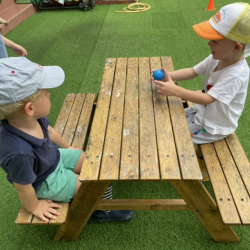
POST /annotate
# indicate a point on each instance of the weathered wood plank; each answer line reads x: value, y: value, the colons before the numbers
x: 149, y: 166
x: 24, y: 217
x: 84, y: 121
x: 70, y: 128
x: 64, y: 113
x: 93, y: 156
x: 63, y: 214
x: 240, y: 159
x: 112, y: 147
x: 142, y: 204
x: 222, y: 193
x: 235, y: 183
x: 185, y: 149
x: 169, y: 166
x: 129, y: 169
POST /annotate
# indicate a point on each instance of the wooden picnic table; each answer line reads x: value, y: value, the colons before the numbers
x: 138, y: 135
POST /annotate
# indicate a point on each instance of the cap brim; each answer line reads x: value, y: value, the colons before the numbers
x: 54, y: 77
x: 205, y: 31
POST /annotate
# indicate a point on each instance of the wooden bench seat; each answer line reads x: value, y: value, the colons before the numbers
x: 72, y: 124
x: 229, y: 172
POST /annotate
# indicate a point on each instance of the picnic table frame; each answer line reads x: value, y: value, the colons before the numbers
x: 138, y: 135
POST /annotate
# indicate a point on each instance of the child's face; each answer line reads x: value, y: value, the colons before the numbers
x: 42, y: 105
x: 222, y: 49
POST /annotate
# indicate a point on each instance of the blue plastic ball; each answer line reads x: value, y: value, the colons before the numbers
x: 158, y: 75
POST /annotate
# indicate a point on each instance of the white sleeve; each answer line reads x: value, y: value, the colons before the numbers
x: 201, y: 68
x: 226, y: 88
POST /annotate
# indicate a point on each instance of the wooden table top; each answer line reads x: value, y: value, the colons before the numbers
x: 137, y: 134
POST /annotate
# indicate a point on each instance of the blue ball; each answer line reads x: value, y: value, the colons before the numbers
x: 158, y: 75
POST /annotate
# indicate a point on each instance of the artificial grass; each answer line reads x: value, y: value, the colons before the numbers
x: 80, y: 42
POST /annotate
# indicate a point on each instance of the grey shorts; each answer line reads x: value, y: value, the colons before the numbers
x: 201, y: 137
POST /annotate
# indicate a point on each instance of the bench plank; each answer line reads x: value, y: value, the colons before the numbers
x: 234, y: 181
x: 64, y: 113
x: 112, y: 148
x: 169, y: 166
x: 93, y: 156
x: 187, y: 157
x: 129, y: 169
x: 24, y: 217
x: 70, y: 128
x: 84, y: 121
x: 149, y: 167
x: 240, y: 159
x: 222, y: 193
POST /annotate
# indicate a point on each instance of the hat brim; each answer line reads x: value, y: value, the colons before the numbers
x: 54, y: 77
x: 205, y: 31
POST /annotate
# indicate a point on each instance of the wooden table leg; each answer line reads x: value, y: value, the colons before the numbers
x: 205, y: 209
x: 81, y: 208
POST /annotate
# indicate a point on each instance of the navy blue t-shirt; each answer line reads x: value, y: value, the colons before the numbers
x: 25, y: 158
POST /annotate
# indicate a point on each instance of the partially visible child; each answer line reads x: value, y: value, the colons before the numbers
x: 5, y: 42
x: 226, y: 72
x: 38, y: 162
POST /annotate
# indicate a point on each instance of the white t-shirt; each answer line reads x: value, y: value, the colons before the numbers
x: 229, y: 87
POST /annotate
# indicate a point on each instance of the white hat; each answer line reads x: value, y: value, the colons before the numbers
x: 231, y: 21
x: 20, y: 78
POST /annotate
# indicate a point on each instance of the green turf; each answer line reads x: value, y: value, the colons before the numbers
x: 80, y: 42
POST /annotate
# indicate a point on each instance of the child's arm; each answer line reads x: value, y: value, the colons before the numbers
x: 39, y: 208
x: 58, y: 140
x: 179, y: 75
x: 15, y: 47
x: 169, y: 88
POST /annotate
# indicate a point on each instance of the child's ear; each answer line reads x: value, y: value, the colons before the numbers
x: 238, y: 47
x: 29, y: 109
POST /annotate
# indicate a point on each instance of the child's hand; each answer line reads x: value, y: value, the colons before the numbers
x: 19, y: 50
x: 164, y: 79
x: 74, y: 148
x: 167, y: 87
x: 46, y: 208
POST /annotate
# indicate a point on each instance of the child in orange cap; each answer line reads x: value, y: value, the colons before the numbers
x: 226, y: 77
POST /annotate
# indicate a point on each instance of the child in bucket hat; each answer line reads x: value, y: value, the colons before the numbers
x: 38, y: 162
x: 226, y: 77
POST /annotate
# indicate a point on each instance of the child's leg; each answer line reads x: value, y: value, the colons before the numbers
x: 78, y: 184
x: 78, y: 166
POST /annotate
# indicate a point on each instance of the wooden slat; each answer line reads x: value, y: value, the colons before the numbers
x: 185, y: 149
x: 64, y: 113
x: 222, y: 193
x: 129, y: 169
x: 93, y: 156
x: 84, y: 121
x: 240, y: 159
x: 112, y: 146
x: 143, y: 204
x: 71, y: 124
x: 24, y: 217
x: 149, y: 167
x: 169, y: 166
x: 234, y: 181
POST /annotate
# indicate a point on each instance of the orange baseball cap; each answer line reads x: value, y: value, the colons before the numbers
x: 231, y: 21
x: 206, y: 31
